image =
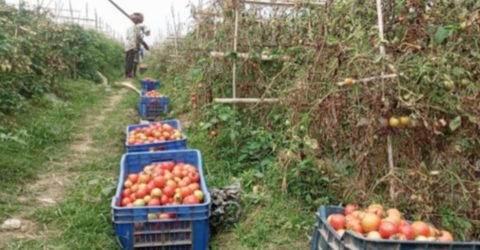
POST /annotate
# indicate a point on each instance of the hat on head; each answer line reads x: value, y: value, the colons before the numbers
x: 137, y: 16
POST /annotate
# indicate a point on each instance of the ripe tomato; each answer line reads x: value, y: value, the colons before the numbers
x: 156, y: 192
x: 141, y: 193
x: 133, y: 197
x: 154, y: 202
x: 337, y: 221
x: 421, y: 228
x: 350, y: 208
x: 169, y: 191
x: 177, y: 172
x: 125, y: 201
x: 194, y: 186
x: 143, y: 178
x: 128, y: 183
x: 163, y: 216
x: 182, y: 184
x: 134, y: 188
x: 126, y: 192
x: 195, y: 177
x: 187, y: 180
x: 164, y: 200
x: 387, y: 229
x: 169, y: 165
x: 159, y: 181
x: 150, y: 186
x: 370, y: 222
x: 407, y: 230
x: 191, y: 200
x: 172, y: 184
x: 445, y: 236
x: 185, y: 191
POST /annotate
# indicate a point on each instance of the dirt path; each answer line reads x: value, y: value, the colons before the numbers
x: 49, y: 189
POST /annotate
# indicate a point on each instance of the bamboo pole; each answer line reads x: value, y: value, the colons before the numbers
x: 391, y: 166
x: 234, y: 68
x: 284, y: 4
x: 246, y: 100
x: 216, y: 54
x: 369, y: 79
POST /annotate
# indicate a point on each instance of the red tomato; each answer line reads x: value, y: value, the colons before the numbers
x: 169, y: 165
x: 169, y: 191
x: 407, y: 230
x: 194, y: 186
x: 134, y: 188
x: 133, y: 178
x: 387, y: 229
x: 126, y: 192
x: 125, y: 201
x: 192, y: 169
x: 163, y: 216
x: 182, y: 184
x: 187, y: 180
x: 154, y: 202
x: 172, y: 184
x: 164, y: 200
x: 185, y: 191
x: 143, y: 178
x: 133, y: 197
x: 141, y: 193
x: 337, y: 221
x: 177, y: 172
x: 195, y: 177
x: 191, y: 200
x: 350, y: 208
x: 159, y: 181
x: 168, y: 176
x: 150, y: 186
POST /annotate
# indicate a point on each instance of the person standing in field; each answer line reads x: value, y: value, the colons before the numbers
x: 132, y: 46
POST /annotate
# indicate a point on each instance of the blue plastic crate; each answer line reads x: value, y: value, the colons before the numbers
x: 150, y: 85
x: 188, y: 230
x: 160, y: 146
x: 150, y: 108
x: 329, y: 239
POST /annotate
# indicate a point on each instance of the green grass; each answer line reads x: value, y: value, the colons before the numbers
x: 83, y: 219
x: 39, y: 135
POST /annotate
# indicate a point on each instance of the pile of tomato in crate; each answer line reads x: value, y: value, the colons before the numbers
x: 152, y: 103
x: 376, y: 227
x: 162, y: 200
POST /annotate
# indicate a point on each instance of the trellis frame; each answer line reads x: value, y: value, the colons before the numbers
x: 216, y: 54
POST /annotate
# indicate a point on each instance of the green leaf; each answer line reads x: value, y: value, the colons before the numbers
x: 442, y: 34
x: 455, y: 123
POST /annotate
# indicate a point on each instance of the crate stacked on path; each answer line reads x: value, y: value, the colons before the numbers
x: 156, y: 143
x: 158, y: 148
x: 147, y: 227
x: 149, y: 84
x: 152, y: 103
x: 326, y: 238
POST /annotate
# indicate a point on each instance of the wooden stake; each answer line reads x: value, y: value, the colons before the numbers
x: 234, y: 68
x: 391, y: 166
x: 369, y: 79
x: 246, y: 100
x: 284, y: 4
x: 216, y: 54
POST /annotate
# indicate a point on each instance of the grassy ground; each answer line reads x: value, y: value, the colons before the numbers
x: 82, y: 220
x: 39, y: 136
